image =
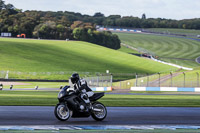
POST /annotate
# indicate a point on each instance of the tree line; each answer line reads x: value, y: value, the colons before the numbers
x: 53, y: 25
x: 85, y: 32
x: 62, y: 25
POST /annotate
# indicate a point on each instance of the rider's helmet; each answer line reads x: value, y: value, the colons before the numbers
x: 75, y: 78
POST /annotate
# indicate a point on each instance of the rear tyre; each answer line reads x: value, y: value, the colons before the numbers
x: 62, y: 112
x: 99, y: 116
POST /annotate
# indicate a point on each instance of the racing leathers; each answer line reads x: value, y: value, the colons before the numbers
x: 85, y: 91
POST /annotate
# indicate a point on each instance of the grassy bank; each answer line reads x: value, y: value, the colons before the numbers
x: 188, y: 32
x: 51, y: 59
x: 167, y: 48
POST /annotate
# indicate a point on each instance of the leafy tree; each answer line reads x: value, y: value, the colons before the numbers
x: 104, y: 38
x: 81, y: 24
x: 45, y: 30
x: 9, y: 7
x: 63, y: 25
x: 144, y: 16
x: 2, y: 4
x: 49, y: 30
x: 98, y: 14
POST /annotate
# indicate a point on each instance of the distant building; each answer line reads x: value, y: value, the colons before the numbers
x: 6, y: 34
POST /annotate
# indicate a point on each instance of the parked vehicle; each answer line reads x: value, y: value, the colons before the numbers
x: 71, y: 105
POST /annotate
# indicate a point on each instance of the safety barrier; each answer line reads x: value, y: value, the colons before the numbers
x: 171, y: 64
x: 102, y: 89
x: 119, y: 29
x: 165, y: 89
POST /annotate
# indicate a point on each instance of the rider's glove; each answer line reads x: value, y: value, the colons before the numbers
x: 77, y: 91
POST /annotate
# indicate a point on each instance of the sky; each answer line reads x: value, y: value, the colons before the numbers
x: 170, y: 9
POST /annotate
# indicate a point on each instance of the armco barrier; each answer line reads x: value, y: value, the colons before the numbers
x: 165, y: 89
x: 102, y: 89
x: 119, y: 29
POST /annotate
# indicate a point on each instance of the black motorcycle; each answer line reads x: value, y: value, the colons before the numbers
x: 72, y: 105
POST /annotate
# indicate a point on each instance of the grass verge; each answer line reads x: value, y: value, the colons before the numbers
x: 44, y: 98
x: 22, y: 85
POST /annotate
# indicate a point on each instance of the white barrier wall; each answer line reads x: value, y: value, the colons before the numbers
x: 102, y: 89
x: 165, y: 89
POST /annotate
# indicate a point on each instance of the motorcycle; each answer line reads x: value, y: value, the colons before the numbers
x: 72, y: 105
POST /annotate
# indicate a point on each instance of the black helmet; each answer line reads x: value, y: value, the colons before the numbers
x: 75, y: 78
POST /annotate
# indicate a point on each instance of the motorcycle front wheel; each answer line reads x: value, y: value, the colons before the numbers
x: 62, y: 112
x: 99, y: 115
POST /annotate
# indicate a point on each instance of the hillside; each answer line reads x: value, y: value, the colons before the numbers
x: 24, y: 55
x: 179, y: 51
x: 30, y: 22
x: 186, y: 32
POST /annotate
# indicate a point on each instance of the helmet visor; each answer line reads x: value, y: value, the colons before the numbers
x: 73, y: 80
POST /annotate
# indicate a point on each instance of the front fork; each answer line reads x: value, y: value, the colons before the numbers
x: 95, y: 109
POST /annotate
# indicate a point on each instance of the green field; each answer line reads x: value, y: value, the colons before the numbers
x: 44, y: 98
x: 192, y: 79
x: 141, y: 81
x: 167, y: 48
x: 32, y: 85
x: 22, y: 56
x: 175, y: 31
x: 128, y: 50
x: 189, y: 75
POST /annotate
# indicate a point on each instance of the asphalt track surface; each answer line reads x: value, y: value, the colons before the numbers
x: 37, y: 115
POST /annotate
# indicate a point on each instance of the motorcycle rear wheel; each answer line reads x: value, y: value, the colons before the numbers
x: 62, y: 112
x: 99, y: 116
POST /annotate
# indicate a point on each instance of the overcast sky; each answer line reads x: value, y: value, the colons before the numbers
x: 173, y: 9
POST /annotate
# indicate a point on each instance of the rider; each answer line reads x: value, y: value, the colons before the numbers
x: 81, y: 85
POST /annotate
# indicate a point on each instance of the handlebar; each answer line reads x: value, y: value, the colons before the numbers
x: 77, y: 91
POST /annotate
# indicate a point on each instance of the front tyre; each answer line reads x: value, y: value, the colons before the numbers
x: 62, y: 112
x: 99, y: 115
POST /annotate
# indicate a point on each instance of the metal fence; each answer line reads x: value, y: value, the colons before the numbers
x: 58, y: 75
x: 180, y: 79
x: 116, y: 80
x: 94, y: 79
x: 100, y: 81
